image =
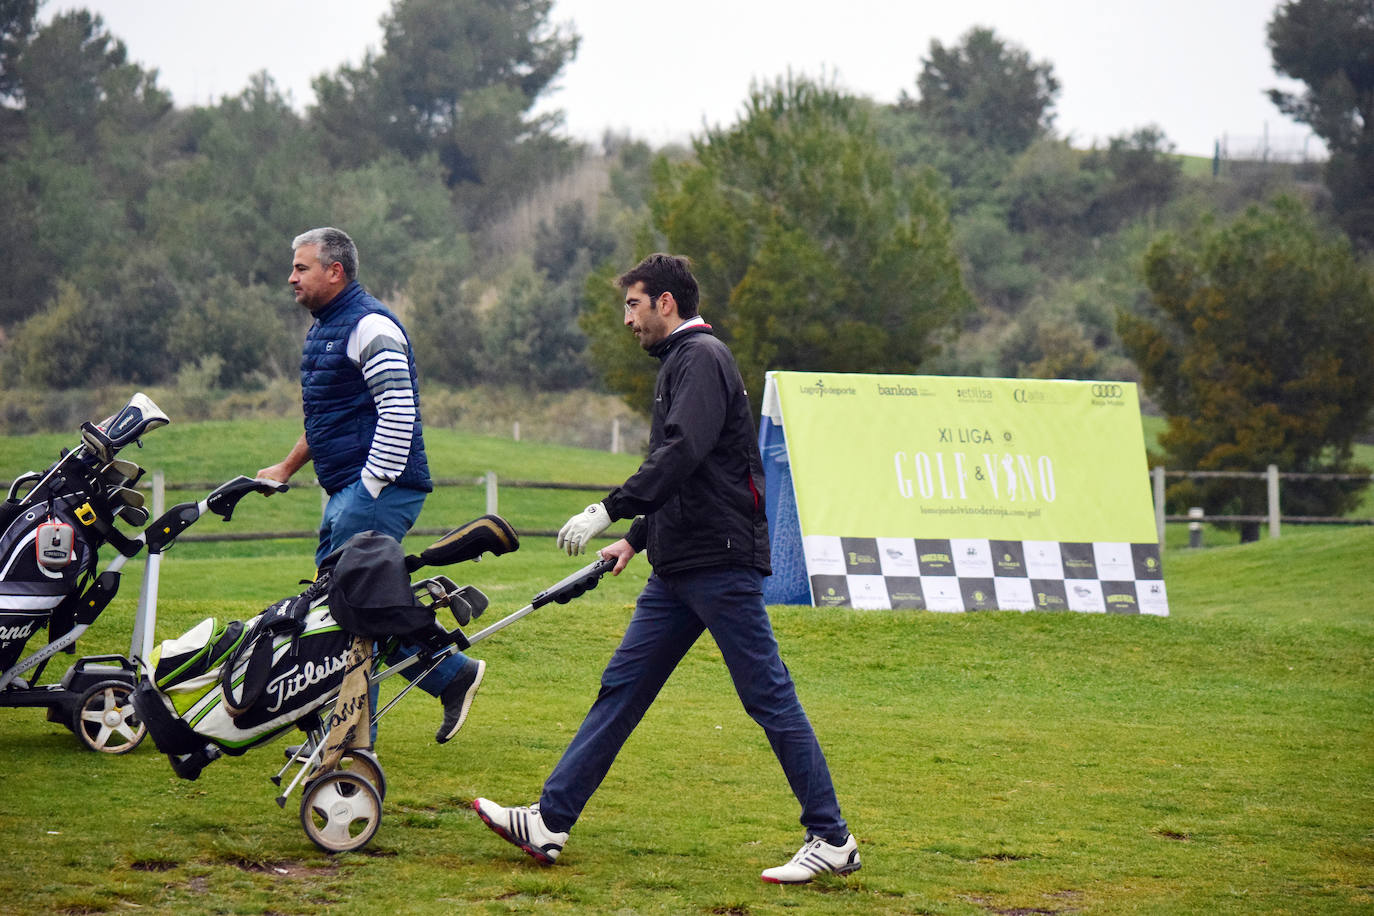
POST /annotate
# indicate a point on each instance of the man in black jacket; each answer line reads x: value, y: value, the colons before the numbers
x: 698, y: 498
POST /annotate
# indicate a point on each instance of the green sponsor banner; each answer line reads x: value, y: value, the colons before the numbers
x: 949, y: 457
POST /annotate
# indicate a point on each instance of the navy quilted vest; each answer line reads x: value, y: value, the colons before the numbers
x: 340, y: 416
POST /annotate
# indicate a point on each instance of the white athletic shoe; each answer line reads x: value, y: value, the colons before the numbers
x: 523, y: 827
x: 816, y: 856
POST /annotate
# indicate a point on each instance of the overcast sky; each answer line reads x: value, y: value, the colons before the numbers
x: 1198, y: 69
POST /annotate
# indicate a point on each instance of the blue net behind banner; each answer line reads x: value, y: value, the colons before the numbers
x: 788, y: 583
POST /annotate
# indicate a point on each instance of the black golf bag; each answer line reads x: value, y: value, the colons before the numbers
x: 50, y: 535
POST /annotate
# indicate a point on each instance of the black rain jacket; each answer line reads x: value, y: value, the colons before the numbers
x: 700, y: 490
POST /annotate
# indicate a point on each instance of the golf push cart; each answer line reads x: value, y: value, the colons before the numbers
x: 52, y: 527
x: 307, y: 662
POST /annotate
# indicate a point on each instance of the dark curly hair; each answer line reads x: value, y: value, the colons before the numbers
x: 665, y: 273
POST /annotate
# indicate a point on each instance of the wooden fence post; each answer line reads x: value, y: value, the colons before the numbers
x: 159, y: 493
x: 1273, y: 478
x: 491, y: 492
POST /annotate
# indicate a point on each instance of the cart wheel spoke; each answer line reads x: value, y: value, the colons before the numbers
x: 105, y: 720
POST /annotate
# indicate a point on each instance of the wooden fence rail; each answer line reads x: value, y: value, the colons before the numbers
x: 157, y: 484
x: 1274, y: 518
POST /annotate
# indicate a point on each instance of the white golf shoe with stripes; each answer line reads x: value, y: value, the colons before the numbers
x: 523, y: 827
x: 815, y: 857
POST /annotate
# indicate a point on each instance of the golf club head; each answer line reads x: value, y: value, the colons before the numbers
x: 119, y: 472
x: 136, y: 516
x: 136, y: 418
x: 125, y: 495
x: 96, y: 442
x: 467, y: 603
x: 435, y: 588
x: 488, y: 533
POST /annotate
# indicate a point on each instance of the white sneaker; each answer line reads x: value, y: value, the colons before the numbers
x: 523, y: 827
x: 816, y: 856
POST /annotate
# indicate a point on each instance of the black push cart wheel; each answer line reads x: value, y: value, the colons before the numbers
x: 105, y: 720
x: 340, y: 811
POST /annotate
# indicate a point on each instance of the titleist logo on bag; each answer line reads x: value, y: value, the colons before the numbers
x: 297, y: 679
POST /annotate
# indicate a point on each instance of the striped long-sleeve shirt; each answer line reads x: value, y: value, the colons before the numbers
x: 378, y: 347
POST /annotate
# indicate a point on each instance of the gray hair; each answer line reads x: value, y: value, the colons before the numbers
x: 331, y: 245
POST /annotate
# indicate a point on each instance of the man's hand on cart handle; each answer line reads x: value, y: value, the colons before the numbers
x: 621, y: 552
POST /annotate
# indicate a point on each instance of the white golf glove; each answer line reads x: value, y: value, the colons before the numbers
x: 582, y: 527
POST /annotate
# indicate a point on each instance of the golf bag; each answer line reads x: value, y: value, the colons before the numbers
x: 52, y: 528
x: 51, y: 535
x: 48, y: 559
x: 226, y: 688
x: 187, y: 703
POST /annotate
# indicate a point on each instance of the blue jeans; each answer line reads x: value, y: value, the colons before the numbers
x: 670, y: 614
x: 392, y: 513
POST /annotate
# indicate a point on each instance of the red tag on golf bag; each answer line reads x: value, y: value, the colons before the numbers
x: 53, y: 541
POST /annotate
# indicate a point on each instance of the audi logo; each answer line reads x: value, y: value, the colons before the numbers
x: 1107, y: 391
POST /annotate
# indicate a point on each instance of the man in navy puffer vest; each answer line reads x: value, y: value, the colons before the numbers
x: 362, y: 427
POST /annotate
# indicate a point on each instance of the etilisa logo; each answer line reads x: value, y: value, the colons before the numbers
x: 974, y: 393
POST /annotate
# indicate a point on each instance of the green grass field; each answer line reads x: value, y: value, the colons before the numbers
x: 1217, y: 761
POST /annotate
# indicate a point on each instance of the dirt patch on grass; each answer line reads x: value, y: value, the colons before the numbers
x: 1005, y: 857
x: 289, y: 869
x: 1056, y: 910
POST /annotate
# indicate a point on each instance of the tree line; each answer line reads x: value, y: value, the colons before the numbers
x: 953, y: 232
